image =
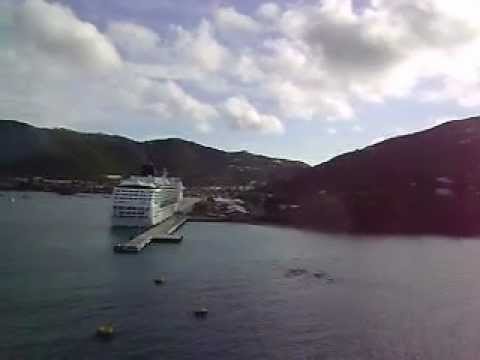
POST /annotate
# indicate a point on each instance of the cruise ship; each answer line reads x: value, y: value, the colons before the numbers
x: 146, y: 200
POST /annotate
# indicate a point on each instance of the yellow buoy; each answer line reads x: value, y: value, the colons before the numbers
x: 105, y: 331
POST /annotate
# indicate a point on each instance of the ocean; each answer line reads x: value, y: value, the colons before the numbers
x: 272, y: 292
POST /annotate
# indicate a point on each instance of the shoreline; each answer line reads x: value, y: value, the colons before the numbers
x: 262, y: 221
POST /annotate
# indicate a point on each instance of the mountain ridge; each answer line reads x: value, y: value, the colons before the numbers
x: 427, y: 182
x: 65, y: 153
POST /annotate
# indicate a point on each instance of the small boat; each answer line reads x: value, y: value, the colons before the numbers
x: 105, y: 331
x: 159, y: 281
x: 201, y: 313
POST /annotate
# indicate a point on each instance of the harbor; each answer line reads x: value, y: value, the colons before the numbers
x: 156, y: 206
x: 69, y: 282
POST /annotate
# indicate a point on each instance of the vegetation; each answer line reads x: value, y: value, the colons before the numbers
x: 428, y: 182
x: 28, y: 151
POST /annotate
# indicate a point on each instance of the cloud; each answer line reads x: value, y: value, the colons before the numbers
x: 200, y: 48
x: 54, y: 31
x: 136, y: 40
x: 304, y: 102
x: 385, y: 49
x: 316, y: 61
x: 66, y: 72
x: 169, y: 100
x: 228, y: 19
x: 247, y: 70
x: 268, y: 11
x: 243, y: 115
x: 164, y: 100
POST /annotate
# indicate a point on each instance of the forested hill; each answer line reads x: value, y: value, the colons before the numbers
x: 427, y: 182
x: 59, y: 153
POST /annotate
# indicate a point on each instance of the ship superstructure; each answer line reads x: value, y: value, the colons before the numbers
x: 144, y: 201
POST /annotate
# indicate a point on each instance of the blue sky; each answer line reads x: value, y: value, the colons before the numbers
x: 305, y: 80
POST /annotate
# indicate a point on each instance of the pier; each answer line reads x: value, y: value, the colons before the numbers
x: 160, y: 233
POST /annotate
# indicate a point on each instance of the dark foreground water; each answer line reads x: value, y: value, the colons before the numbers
x: 387, y: 298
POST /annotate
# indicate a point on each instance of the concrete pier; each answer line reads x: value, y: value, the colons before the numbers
x: 163, y: 232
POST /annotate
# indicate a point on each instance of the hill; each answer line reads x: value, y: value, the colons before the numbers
x: 427, y: 182
x: 59, y: 153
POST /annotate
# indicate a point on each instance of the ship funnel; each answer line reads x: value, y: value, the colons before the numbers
x: 148, y: 170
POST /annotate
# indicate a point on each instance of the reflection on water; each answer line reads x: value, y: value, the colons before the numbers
x: 267, y: 290
x: 123, y: 233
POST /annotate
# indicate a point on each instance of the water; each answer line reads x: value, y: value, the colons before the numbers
x: 389, y: 298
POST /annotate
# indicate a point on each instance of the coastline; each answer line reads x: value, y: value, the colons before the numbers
x: 266, y: 220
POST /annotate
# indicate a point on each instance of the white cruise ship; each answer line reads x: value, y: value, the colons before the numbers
x: 144, y: 201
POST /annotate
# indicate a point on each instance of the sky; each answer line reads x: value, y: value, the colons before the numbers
x: 305, y: 80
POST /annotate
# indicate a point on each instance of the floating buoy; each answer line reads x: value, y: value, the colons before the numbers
x: 295, y: 272
x: 159, y: 281
x: 201, y: 313
x: 105, y: 331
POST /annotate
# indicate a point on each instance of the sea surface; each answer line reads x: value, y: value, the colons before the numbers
x: 272, y: 292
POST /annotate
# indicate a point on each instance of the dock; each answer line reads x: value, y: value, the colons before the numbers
x: 163, y: 232
x: 160, y: 233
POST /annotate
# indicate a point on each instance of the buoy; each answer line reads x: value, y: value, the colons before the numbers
x: 295, y: 272
x: 105, y: 331
x: 319, y: 274
x: 201, y: 312
x: 159, y: 281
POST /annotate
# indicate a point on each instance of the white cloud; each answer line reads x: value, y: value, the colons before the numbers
x: 134, y: 39
x: 386, y: 49
x: 83, y: 78
x: 184, y: 103
x: 200, y: 48
x: 307, y: 103
x: 301, y: 60
x: 53, y: 31
x: 247, y: 70
x: 243, y: 115
x: 268, y: 11
x: 169, y: 101
x: 228, y: 19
